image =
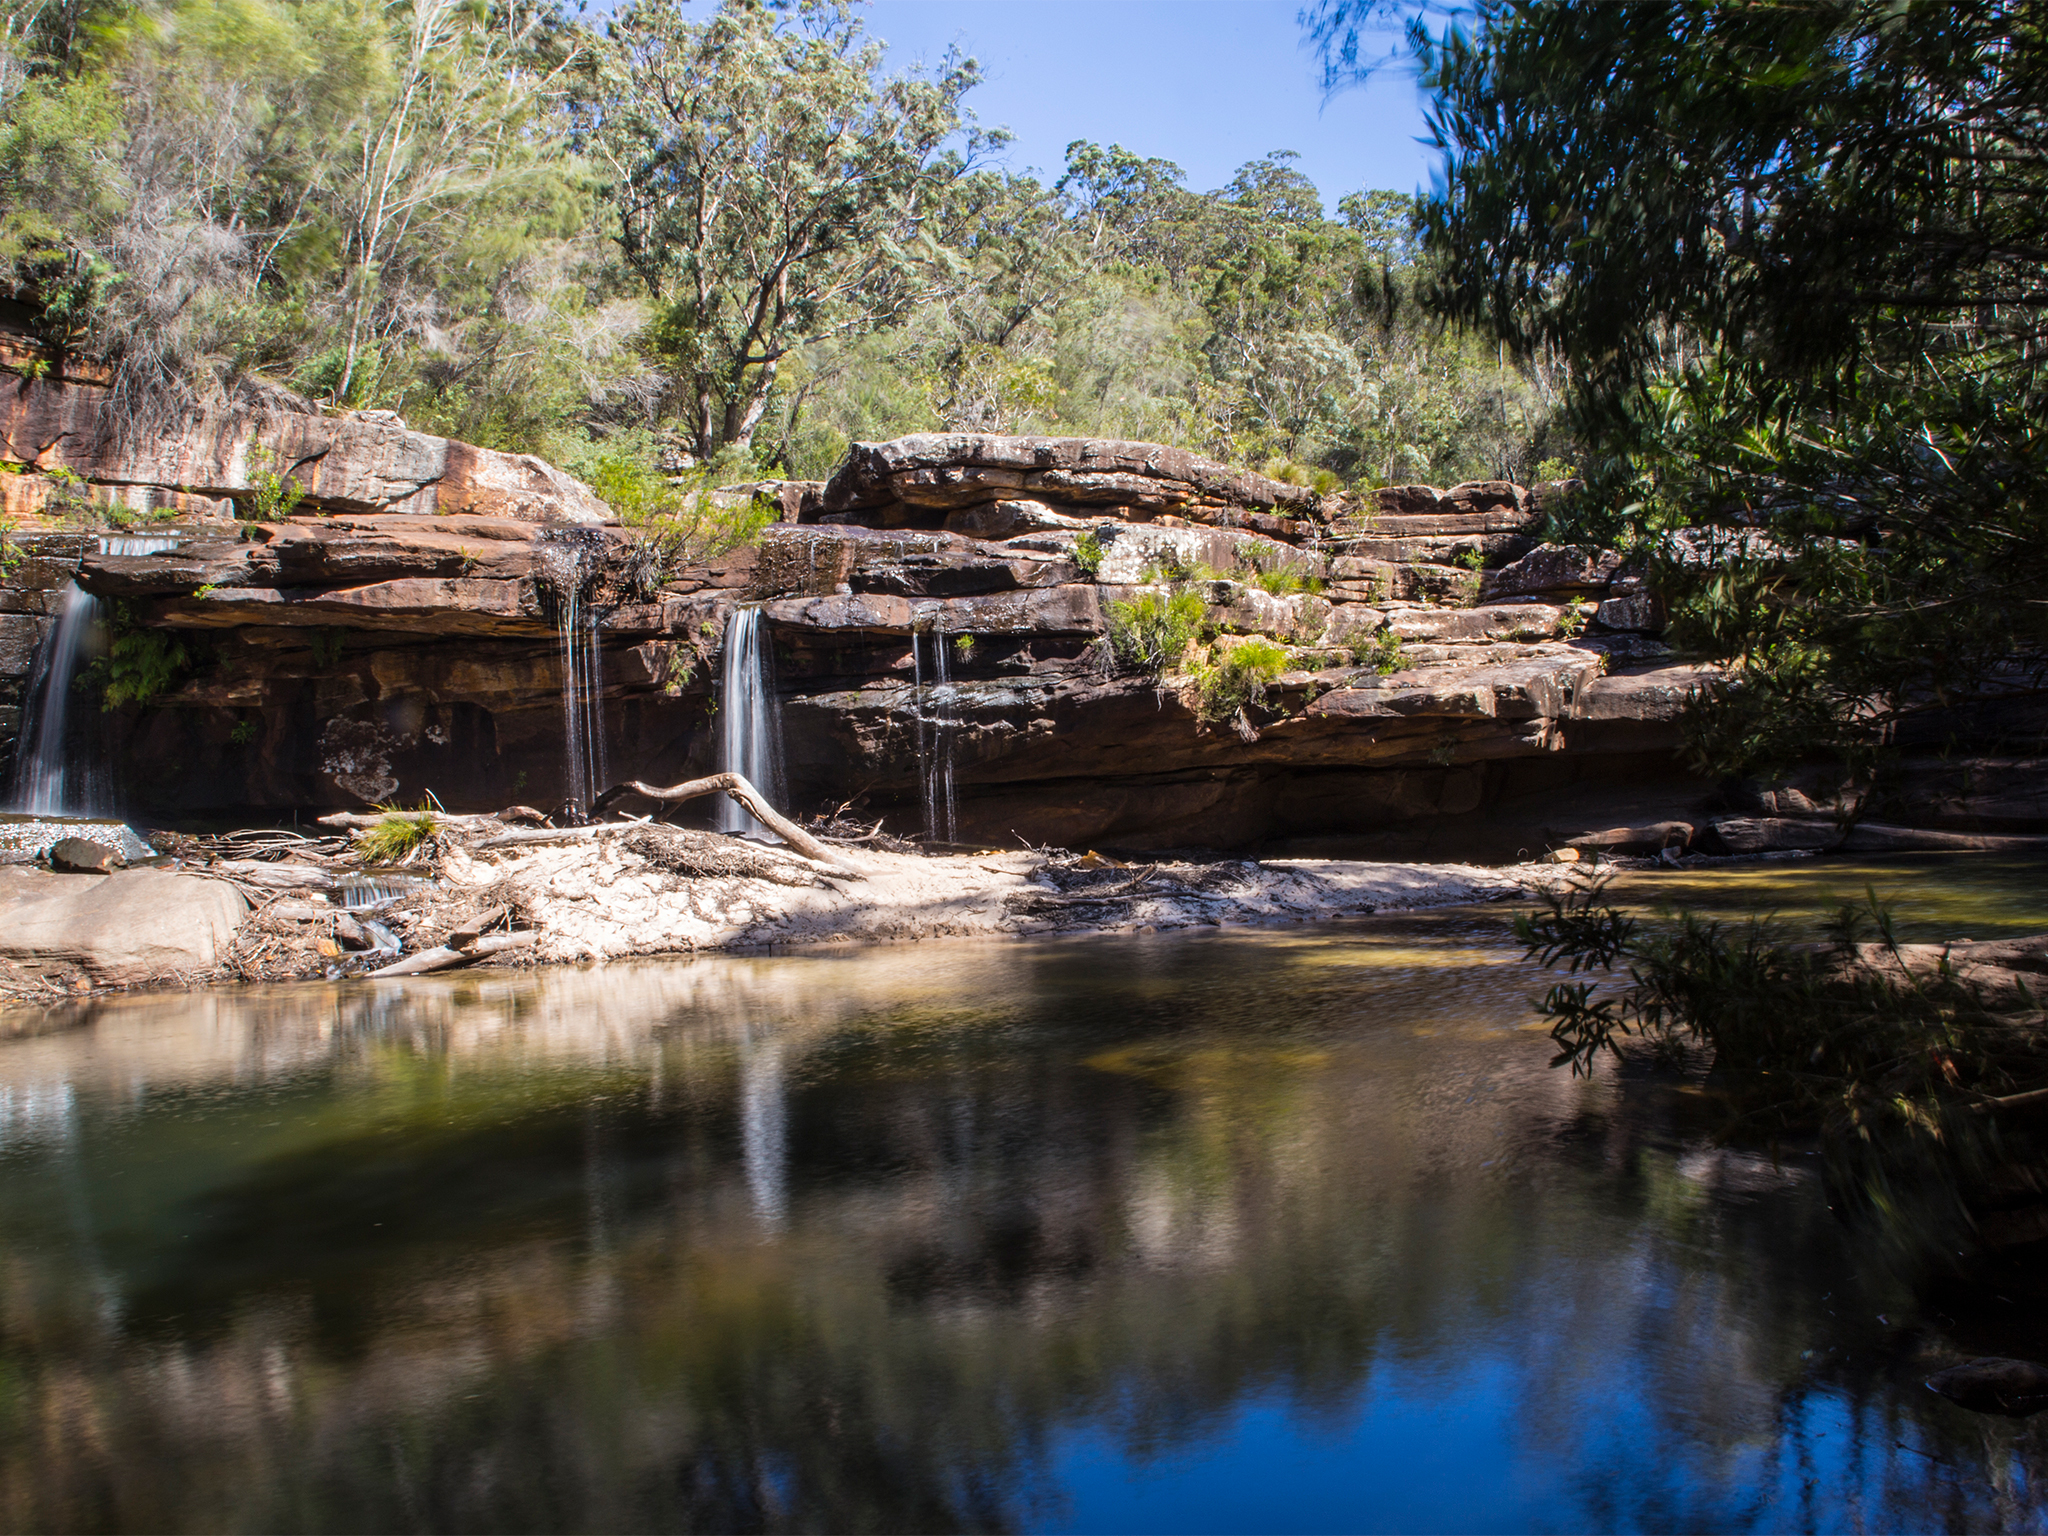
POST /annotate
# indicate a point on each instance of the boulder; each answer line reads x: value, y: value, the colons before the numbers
x: 132, y: 926
x: 928, y: 476
x: 1553, y: 568
x: 1481, y: 496
x: 76, y: 856
x: 1640, y: 611
x: 1396, y: 500
x: 2013, y: 1388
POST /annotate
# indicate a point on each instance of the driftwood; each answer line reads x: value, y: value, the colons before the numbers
x: 683, y: 850
x: 270, y: 876
x: 446, y: 957
x: 358, y: 820
x: 737, y: 786
x: 523, y: 836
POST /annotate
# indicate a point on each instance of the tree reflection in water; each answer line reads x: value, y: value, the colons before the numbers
x: 1261, y: 1230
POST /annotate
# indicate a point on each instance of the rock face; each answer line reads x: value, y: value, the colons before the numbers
x: 205, y: 463
x: 938, y: 615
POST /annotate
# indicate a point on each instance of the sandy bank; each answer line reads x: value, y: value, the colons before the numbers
x: 655, y: 891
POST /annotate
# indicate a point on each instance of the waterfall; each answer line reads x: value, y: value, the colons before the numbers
x: 56, y: 773
x: 750, y: 725
x: 570, y: 561
x: 937, y: 727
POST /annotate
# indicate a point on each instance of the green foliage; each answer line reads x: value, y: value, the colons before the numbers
x: 140, y: 664
x: 1473, y: 559
x: 1571, y: 623
x: 326, y: 645
x: 70, y: 498
x: 1382, y: 653
x: 1310, y: 477
x: 963, y: 647
x: 1277, y: 573
x: 769, y: 190
x: 272, y: 496
x: 243, y: 733
x: 1237, y: 679
x: 397, y: 835
x: 1884, y: 1058
x: 487, y: 218
x: 1782, y: 251
x: 1150, y: 632
x: 1088, y: 554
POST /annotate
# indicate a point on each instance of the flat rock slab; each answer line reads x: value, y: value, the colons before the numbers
x: 134, y: 926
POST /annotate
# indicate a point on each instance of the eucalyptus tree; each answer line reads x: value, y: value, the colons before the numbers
x: 770, y: 189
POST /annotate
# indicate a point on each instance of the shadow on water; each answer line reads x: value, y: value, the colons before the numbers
x: 1246, y: 1230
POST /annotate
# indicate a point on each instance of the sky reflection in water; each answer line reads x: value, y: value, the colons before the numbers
x: 1239, y: 1231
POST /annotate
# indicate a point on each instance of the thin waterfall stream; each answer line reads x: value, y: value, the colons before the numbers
x: 937, y: 728
x: 571, y: 562
x: 59, y: 769
x: 750, y: 721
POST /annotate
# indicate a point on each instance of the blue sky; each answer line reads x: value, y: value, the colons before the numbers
x: 1208, y: 84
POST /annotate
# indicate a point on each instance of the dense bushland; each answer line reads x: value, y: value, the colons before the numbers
x: 690, y: 237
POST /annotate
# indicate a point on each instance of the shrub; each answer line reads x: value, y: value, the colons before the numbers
x: 1088, y: 554
x: 1890, y: 1063
x: 1237, y: 679
x: 1572, y: 622
x: 1382, y: 653
x: 1148, y: 633
x: 271, y: 496
x: 1277, y: 573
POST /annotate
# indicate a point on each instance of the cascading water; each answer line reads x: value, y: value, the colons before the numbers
x: 937, y: 727
x: 58, y: 767
x: 569, y: 562
x: 750, y: 724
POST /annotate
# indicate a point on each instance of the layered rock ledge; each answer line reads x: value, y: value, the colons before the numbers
x: 939, y: 614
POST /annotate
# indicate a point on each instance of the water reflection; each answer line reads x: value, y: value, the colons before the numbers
x: 1243, y: 1231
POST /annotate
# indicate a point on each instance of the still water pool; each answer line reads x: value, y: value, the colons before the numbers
x: 1232, y: 1232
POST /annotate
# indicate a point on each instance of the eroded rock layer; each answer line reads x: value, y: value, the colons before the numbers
x: 941, y: 610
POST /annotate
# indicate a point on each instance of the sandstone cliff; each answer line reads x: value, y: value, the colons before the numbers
x: 937, y: 611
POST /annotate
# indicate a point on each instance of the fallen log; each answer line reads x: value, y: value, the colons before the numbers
x: 270, y: 876
x: 698, y: 853
x: 360, y: 821
x: 445, y: 958
x: 522, y: 836
x: 737, y: 786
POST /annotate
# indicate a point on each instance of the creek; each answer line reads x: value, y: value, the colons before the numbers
x: 1273, y: 1230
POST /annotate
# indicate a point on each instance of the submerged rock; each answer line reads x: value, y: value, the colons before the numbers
x: 2014, y: 1388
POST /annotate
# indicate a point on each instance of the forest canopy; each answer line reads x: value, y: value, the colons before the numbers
x: 697, y: 235
x: 1793, y: 255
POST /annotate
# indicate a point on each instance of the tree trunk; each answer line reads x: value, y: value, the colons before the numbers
x: 735, y: 785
